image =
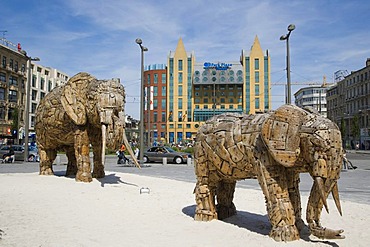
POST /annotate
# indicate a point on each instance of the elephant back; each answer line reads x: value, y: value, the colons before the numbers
x: 228, y: 141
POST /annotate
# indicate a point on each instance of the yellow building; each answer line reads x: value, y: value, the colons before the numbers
x: 196, y: 91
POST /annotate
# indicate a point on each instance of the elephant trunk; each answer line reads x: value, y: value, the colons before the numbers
x: 325, y: 176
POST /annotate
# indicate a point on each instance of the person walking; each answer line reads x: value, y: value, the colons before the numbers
x: 121, y: 155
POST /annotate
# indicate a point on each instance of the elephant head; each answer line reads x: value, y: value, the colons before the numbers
x: 308, y: 142
x: 99, y: 105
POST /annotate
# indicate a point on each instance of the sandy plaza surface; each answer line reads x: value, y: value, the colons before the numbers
x: 58, y: 211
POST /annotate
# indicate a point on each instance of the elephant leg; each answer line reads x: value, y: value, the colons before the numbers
x: 295, y: 198
x: 46, y: 161
x: 72, y: 163
x: 273, y: 182
x: 205, y: 189
x: 98, y: 171
x: 82, y: 152
x: 225, y: 195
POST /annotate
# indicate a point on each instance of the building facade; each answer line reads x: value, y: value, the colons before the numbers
x: 314, y: 97
x: 156, y: 102
x: 44, y: 79
x: 13, y: 81
x: 13, y: 77
x: 349, y: 107
x: 196, y: 91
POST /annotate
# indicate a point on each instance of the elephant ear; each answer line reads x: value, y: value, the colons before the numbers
x: 280, y: 133
x: 74, y: 97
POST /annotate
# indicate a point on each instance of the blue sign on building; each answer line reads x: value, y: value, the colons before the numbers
x: 217, y: 66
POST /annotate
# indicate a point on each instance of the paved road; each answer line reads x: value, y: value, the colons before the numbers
x: 354, y: 185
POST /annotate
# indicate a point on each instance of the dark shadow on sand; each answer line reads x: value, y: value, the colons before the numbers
x: 108, y: 179
x: 113, y: 179
x: 257, y: 223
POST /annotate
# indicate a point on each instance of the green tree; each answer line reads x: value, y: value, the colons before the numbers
x: 355, y: 127
x: 343, y: 130
x: 14, y: 126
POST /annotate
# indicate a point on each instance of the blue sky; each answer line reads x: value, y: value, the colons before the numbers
x: 98, y: 36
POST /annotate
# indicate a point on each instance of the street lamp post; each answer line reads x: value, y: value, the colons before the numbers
x: 291, y: 27
x: 142, y: 48
x: 27, y: 110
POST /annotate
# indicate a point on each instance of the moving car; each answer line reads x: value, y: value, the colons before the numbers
x: 156, y: 154
x: 33, y: 155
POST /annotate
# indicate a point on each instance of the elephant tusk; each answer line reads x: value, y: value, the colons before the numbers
x: 335, y: 194
x: 129, y: 149
x: 320, y: 183
x: 103, y: 135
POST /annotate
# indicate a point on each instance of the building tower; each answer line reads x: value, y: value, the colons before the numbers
x: 197, y: 91
x: 256, y: 68
x: 155, y: 88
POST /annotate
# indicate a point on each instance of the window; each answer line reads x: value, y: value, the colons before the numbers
x: 148, y: 79
x: 2, y: 94
x: 13, y: 80
x: 33, y: 107
x: 11, y: 63
x: 257, y: 90
x: 4, y: 62
x: 257, y: 76
x: 256, y: 63
x: 180, y: 77
x: 34, y: 78
x: 12, y: 96
x: 10, y: 113
x: 2, y: 77
x: 155, y: 78
x: 155, y: 117
x: 2, y: 111
x: 179, y: 91
x: 42, y: 95
x: 155, y: 104
x: 257, y: 103
x: 42, y: 83
x: 163, y: 116
x: 155, y: 91
x: 163, y: 103
x: 34, y: 94
x: 180, y: 104
x: 163, y: 78
x: 180, y: 65
x: 50, y: 86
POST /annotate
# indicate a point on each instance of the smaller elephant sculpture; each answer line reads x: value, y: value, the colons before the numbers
x: 275, y: 148
x: 84, y: 111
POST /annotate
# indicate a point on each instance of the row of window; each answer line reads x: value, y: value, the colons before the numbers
x: 13, y: 64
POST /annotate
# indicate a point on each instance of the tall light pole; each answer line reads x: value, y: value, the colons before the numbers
x: 291, y: 27
x: 27, y: 110
x: 142, y: 48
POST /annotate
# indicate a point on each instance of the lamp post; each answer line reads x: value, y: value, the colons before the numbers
x: 27, y: 111
x: 142, y: 48
x: 291, y: 27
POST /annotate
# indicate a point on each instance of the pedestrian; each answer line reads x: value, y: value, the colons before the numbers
x: 9, y: 156
x: 137, y: 151
x: 121, y: 155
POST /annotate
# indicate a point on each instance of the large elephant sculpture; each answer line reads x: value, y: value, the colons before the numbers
x: 275, y: 148
x: 84, y: 111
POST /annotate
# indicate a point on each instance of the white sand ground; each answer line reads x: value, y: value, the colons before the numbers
x: 58, y: 211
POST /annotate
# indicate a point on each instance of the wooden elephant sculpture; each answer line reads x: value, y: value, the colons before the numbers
x: 275, y: 148
x: 84, y: 111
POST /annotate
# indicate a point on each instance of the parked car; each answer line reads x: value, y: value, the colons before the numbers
x: 156, y: 154
x: 33, y: 154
